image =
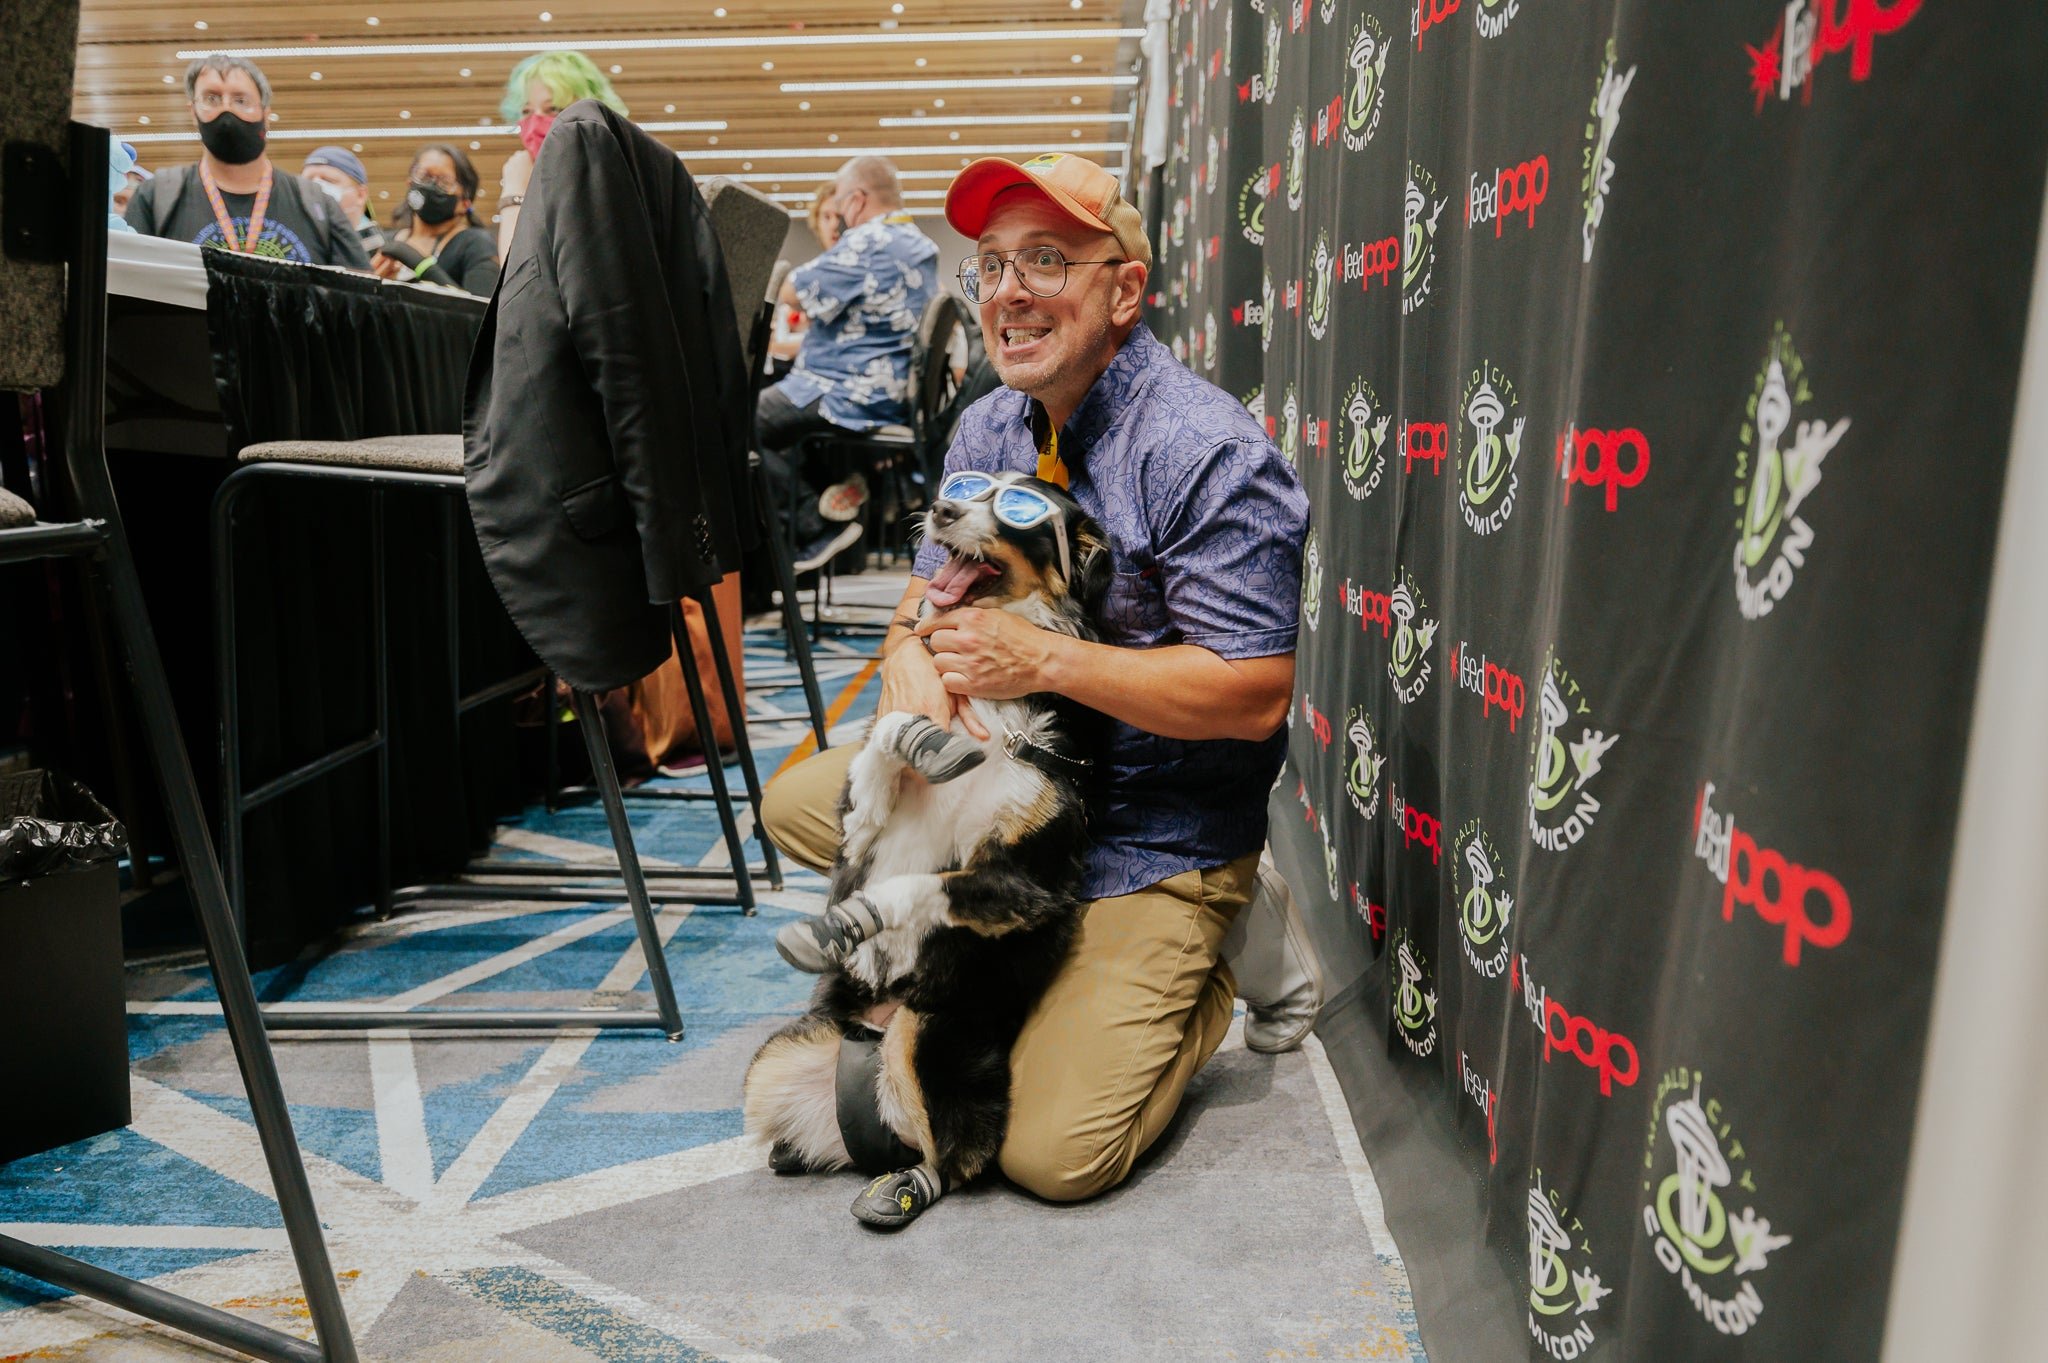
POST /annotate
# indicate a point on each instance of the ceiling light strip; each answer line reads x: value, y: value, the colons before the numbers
x: 1000, y: 120
x: 459, y: 130
x: 691, y: 43
x: 826, y: 87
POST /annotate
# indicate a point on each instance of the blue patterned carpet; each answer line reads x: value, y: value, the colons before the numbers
x: 591, y: 1197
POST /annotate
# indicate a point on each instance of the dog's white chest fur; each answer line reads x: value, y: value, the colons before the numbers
x: 911, y: 831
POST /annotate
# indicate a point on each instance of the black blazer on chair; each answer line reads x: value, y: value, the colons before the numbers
x: 605, y: 424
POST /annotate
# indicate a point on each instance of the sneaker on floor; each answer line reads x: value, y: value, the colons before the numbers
x: 843, y: 501
x: 823, y: 549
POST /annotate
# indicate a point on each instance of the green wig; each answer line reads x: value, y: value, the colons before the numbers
x: 569, y: 76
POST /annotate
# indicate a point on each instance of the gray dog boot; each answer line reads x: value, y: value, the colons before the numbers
x: 815, y: 945
x: 936, y: 754
x: 1278, y: 975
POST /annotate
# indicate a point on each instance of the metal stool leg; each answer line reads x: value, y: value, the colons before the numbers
x: 792, y: 613
x: 380, y: 667
x: 714, y: 766
x: 735, y: 709
x: 607, y: 778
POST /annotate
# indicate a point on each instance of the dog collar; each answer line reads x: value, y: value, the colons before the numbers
x: 1021, y: 748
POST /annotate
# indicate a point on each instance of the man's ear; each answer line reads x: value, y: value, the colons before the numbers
x: 1130, y: 293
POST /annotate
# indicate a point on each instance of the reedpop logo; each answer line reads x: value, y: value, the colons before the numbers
x: 1496, y: 687
x: 1691, y: 1232
x: 1520, y: 188
x: 1610, y: 1055
x: 1599, y: 166
x: 1365, y: 439
x: 1761, y: 878
x: 1805, y: 36
x: 1484, y: 1097
x: 1420, y: 210
x: 1556, y: 1287
x: 1772, y: 481
x: 1488, y: 479
x: 1593, y: 459
x: 1559, y: 771
x: 1416, y: 825
x: 1429, y: 14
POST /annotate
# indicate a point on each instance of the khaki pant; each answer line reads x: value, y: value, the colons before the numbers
x: 1142, y: 1003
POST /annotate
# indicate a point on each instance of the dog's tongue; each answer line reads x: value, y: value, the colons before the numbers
x: 952, y: 582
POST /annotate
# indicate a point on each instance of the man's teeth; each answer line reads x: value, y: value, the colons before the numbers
x: 1020, y: 335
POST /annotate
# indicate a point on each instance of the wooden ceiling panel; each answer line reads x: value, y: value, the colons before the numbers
x: 130, y: 76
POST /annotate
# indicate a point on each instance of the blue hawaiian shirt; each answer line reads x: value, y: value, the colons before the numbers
x: 864, y: 298
x: 1205, y: 523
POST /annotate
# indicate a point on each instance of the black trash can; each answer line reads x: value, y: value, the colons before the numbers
x: 64, y: 1063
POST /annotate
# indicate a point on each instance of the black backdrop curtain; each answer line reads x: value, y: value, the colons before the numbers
x: 1651, y: 370
x: 315, y: 354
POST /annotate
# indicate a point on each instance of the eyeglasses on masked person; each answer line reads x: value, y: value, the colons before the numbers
x: 1042, y: 270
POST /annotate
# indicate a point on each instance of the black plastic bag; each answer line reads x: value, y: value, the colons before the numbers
x: 51, y: 823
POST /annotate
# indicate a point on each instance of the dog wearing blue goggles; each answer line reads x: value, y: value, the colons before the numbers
x: 996, y: 529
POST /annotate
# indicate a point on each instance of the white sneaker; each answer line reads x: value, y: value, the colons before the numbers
x: 1278, y: 976
x: 843, y: 501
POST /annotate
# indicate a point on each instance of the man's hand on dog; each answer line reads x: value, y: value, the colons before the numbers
x: 911, y: 683
x: 991, y: 654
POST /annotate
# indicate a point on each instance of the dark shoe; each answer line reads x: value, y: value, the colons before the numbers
x: 821, y: 550
x: 936, y: 754
x: 816, y: 945
x: 783, y: 1159
x: 893, y: 1201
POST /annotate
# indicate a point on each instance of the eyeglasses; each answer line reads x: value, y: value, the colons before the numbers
x: 212, y: 100
x: 1015, y: 505
x: 1042, y: 270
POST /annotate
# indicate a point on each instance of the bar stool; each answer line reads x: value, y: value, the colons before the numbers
x: 380, y: 466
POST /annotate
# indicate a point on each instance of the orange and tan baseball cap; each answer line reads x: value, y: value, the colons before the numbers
x: 1081, y: 189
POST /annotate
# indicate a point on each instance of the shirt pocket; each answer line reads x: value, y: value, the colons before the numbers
x: 1134, y: 609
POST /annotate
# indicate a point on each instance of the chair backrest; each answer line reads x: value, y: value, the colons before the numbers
x: 775, y: 278
x: 36, y: 64
x: 751, y: 228
x: 934, y: 382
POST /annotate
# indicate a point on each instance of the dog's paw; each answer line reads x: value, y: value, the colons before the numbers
x: 893, y: 1201
x: 937, y: 754
x: 816, y: 945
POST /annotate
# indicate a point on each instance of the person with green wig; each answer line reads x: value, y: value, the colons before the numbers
x: 540, y: 87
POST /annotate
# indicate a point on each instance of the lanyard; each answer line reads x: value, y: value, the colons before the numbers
x: 226, y: 223
x: 1051, y: 468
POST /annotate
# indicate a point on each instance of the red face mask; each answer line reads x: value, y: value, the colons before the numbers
x: 533, y: 130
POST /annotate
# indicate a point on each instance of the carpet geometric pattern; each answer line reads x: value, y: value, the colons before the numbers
x: 590, y: 1197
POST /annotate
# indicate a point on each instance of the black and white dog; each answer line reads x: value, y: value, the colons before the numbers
x: 957, y: 890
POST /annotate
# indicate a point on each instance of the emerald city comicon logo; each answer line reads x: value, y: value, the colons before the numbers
x: 1251, y: 206
x: 1362, y: 772
x: 1599, y: 166
x: 1255, y: 403
x: 1312, y: 582
x: 1297, y: 159
x: 1489, y: 446
x: 1717, y: 1258
x: 1561, y: 807
x: 1319, y: 287
x: 1494, y: 16
x: 1365, y: 439
x: 1367, y: 88
x: 1290, y: 426
x: 1414, y: 996
x: 1408, y: 665
x: 1561, y: 1278
x: 1778, y: 462
x: 1484, y: 902
x: 1421, y: 208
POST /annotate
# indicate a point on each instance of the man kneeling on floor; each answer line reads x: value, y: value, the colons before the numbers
x: 1196, y: 670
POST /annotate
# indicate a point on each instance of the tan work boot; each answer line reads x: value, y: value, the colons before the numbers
x: 1278, y: 975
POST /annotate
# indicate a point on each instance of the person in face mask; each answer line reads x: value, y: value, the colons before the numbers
x: 234, y: 199
x: 539, y: 88
x: 435, y: 233
x: 340, y: 173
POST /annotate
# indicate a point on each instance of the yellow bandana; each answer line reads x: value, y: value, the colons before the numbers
x: 1051, y: 468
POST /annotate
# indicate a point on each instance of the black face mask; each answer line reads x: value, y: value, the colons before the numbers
x: 232, y: 138
x: 431, y: 204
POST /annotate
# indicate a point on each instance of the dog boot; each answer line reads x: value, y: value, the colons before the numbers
x: 816, y: 945
x: 936, y: 754
x: 1278, y: 975
x: 893, y: 1201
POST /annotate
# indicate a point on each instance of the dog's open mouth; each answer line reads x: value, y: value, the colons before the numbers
x: 964, y: 577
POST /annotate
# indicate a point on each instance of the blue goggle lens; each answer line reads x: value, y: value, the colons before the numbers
x: 1023, y: 507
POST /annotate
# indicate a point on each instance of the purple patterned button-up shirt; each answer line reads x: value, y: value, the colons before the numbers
x: 1206, y: 521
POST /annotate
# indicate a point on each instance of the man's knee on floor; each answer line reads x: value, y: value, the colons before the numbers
x: 1063, y: 1169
